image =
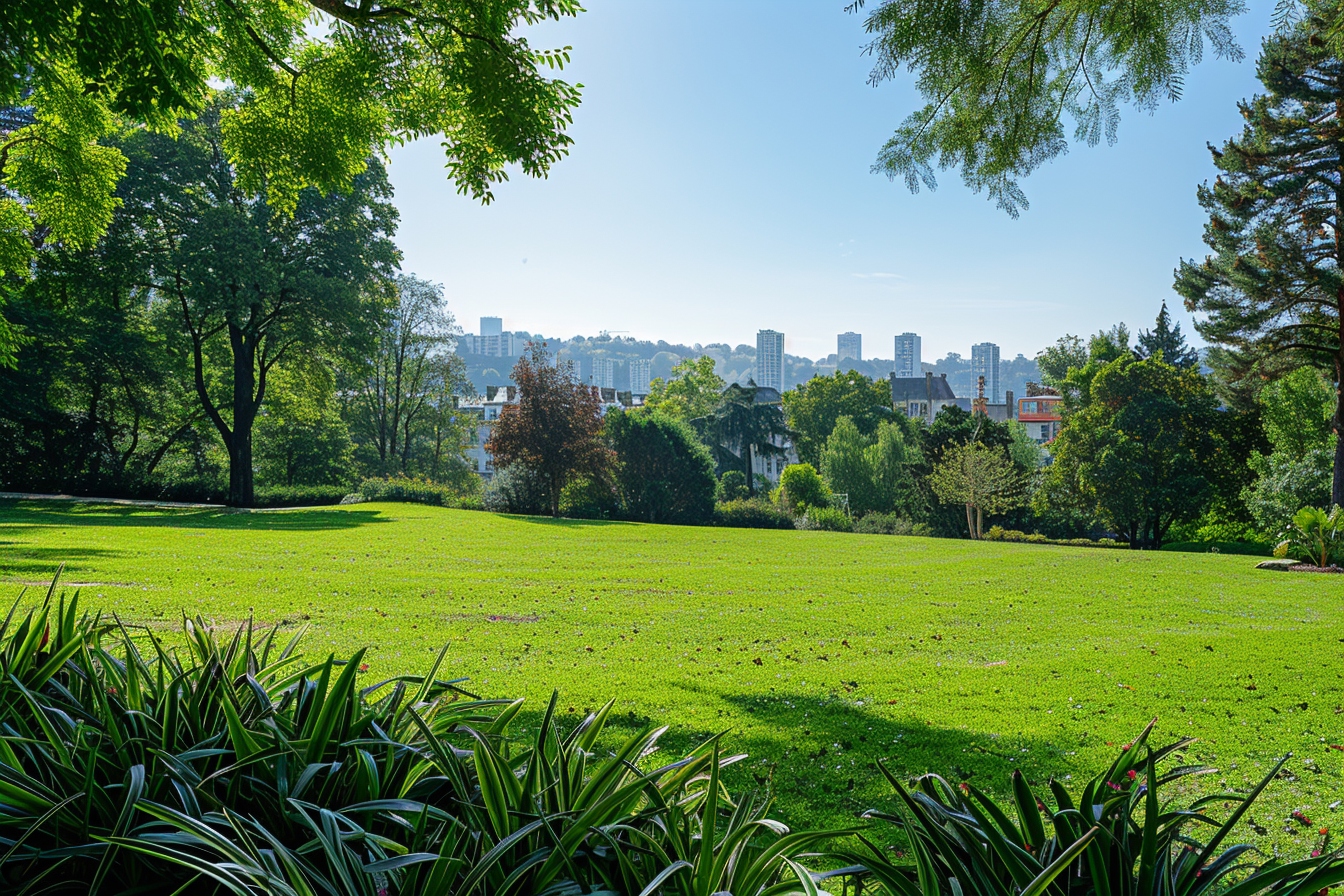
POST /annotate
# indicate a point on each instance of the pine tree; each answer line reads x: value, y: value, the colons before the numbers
x: 1272, y: 291
x: 1167, y: 338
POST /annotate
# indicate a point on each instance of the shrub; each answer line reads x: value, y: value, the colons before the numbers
x: 1079, y: 542
x: 751, y: 513
x: 884, y: 524
x: 230, y: 764
x: 413, y: 491
x: 1116, y: 835
x: 995, y: 533
x: 826, y: 519
x: 1109, y: 543
x: 1035, y: 538
x: 732, y: 486
x: 298, y: 495
x: 801, y: 487
x: 664, y: 473
x: 584, y: 498
x: 516, y: 489
x: 1315, y: 536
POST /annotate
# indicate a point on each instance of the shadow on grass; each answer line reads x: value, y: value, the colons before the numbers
x: 566, y: 523
x: 25, y: 516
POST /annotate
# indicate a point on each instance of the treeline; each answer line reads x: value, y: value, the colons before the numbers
x: 214, y: 347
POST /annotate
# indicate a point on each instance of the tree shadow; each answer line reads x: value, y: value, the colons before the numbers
x: 566, y: 523
x: 19, y: 516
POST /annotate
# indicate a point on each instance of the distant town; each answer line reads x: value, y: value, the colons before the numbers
x: 615, y: 361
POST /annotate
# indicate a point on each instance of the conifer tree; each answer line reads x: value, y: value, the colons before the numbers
x: 1167, y: 338
x: 1271, y: 292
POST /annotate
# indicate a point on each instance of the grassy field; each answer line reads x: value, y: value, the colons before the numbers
x: 819, y: 653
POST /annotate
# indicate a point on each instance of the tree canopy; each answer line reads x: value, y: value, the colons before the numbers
x: 815, y: 407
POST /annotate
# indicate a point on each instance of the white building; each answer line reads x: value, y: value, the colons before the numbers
x: 604, y: 373
x: 492, y: 340
x: 908, y: 361
x: 486, y: 412
x: 849, y: 346
x: 985, y: 362
x: 640, y: 376
x: 770, y: 359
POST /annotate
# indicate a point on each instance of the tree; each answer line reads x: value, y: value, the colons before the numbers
x: 329, y: 84
x: 801, y: 488
x: 249, y: 287
x: 692, y: 392
x: 1142, y: 449
x: 1270, y: 293
x: 1057, y: 360
x: 845, y: 467
x: 663, y: 472
x: 300, y: 436
x: 999, y: 79
x: 1296, y: 413
x: 555, y: 429
x: 412, y: 366
x: 741, y: 425
x: 1166, y: 337
x: 891, y: 459
x: 813, y: 408
x: 983, y: 479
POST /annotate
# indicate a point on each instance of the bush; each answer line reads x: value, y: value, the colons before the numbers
x: 732, y: 486
x: 411, y: 491
x: 801, y: 487
x: 1315, y: 536
x: 664, y: 473
x: 826, y: 519
x: 1113, y: 844
x: 751, y: 513
x: 588, y: 499
x: 516, y: 489
x: 1036, y: 538
x: 884, y: 524
x: 229, y: 764
x: 298, y: 495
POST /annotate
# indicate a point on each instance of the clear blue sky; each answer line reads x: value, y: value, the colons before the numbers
x: 719, y: 183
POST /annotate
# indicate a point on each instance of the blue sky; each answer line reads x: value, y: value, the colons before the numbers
x: 720, y: 183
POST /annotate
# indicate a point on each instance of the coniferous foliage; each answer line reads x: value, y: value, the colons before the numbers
x: 1271, y: 293
x: 742, y: 426
x: 1166, y: 337
x: 555, y: 429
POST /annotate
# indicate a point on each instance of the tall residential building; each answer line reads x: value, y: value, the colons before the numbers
x: 908, y: 361
x: 985, y: 363
x: 492, y: 340
x: 770, y: 359
x: 640, y: 370
x: 849, y: 345
x: 604, y: 373
x: 492, y: 326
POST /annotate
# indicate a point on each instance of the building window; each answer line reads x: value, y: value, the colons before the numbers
x: 1045, y: 431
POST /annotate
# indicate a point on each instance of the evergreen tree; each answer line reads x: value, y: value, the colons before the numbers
x: 1271, y: 292
x: 1166, y: 337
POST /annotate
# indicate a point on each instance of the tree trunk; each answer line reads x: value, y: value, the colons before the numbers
x: 555, y: 496
x: 245, y: 403
x: 979, y: 523
x: 1337, y: 482
x: 970, y: 521
x: 751, y: 479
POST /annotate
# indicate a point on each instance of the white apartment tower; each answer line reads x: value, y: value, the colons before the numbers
x: 770, y: 359
x: 604, y: 373
x: 985, y: 363
x: 849, y: 346
x: 640, y: 370
x: 908, y: 361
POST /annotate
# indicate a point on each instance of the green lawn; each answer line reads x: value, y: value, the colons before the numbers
x: 819, y: 653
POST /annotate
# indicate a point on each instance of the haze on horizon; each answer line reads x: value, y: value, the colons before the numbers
x: 720, y: 183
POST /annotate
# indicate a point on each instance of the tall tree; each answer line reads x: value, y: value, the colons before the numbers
x: 555, y: 429
x: 1142, y: 448
x: 742, y: 426
x: 1271, y: 294
x: 846, y: 468
x: 1055, y: 361
x: 813, y: 408
x: 251, y: 287
x: 999, y: 79
x: 406, y: 372
x: 983, y: 479
x: 690, y: 393
x: 1166, y: 337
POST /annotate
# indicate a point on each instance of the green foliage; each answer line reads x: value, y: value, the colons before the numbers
x: 300, y: 495
x: 982, y: 478
x: 1218, y: 546
x: 1166, y: 338
x: 801, y: 487
x: 740, y: 426
x: 751, y: 513
x: 1142, y: 448
x: 663, y: 473
x: 1268, y: 294
x: 1315, y: 536
x: 814, y: 408
x: 1055, y: 361
x: 406, y: 785
x: 1119, y: 833
x: 1296, y: 411
x: 888, y: 524
x: 845, y: 468
x: 516, y: 488
x: 417, y: 491
x: 826, y: 519
x: 1283, y: 485
x: 301, y: 438
x: 732, y: 486
x: 1000, y: 79
x: 692, y: 392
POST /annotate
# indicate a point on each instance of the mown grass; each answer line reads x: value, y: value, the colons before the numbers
x: 820, y: 653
